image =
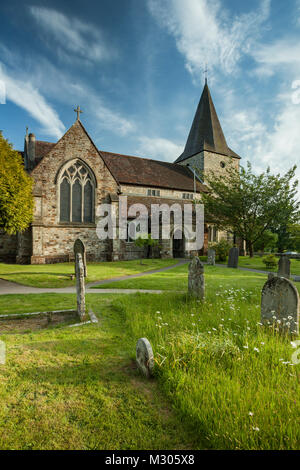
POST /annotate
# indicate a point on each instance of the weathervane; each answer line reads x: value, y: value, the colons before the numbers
x: 78, y: 111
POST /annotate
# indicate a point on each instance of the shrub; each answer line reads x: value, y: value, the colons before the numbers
x: 221, y: 248
x: 270, y: 261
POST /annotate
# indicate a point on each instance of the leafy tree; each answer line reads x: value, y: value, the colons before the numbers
x: 250, y: 204
x: 294, y: 231
x: 267, y: 241
x: 16, y: 199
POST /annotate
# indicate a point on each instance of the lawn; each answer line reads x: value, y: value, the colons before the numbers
x: 58, y: 275
x: 257, y: 263
x: 176, y: 279
x: 78, y: 388
x: 220, y: 377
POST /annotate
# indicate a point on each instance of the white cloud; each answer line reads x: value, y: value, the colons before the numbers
x: 73, y: 36
x: 159, y: 149
x: 24, y: 94
x: 47, y: 80
x: 206, y: 33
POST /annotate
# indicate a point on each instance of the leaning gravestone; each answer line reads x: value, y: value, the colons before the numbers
x: 284, y: 267
x: 80, y: 287
x: 196, y: 285
x: 144, y: 357
x: 211, y: 257
x: 280, y: 304
x: 233, y: 258
x: 80, y: 248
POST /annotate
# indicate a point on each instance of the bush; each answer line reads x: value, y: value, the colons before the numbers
x: 270, y: 261
x: 221, y: 248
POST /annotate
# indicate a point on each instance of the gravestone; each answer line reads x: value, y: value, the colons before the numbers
x: 233, y: 258
x: 284, y: 267
x: 80, y: 287
x: 196, y: 285
x: 144, y: 357
x: 80, y: 248
x: 280, y: 304
x: 211, y: 257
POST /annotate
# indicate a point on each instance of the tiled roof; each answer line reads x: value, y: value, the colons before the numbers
x: 153, y: 173
x: 139, y: 171
x: 42, y: 148
x: 206, y: 131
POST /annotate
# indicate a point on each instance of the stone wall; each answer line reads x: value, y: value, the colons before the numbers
x: 205, y: 162
x: 8, y: 247
x: 167, y: 193
x: 53, y: 241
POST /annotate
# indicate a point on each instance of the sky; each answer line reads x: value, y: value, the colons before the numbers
x: 136, y: 69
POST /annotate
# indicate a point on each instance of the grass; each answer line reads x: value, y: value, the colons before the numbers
x: 58, y: 275
x: 176, y: 279
x: 19, y: 303
x: 220, y: 377
x: 77, y: 388
x: 257, y: 263
x: 226, y: 375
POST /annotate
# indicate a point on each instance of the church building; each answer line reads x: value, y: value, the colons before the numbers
x: 72, y: 177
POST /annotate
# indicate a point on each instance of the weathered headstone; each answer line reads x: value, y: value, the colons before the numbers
x: 144, y: 357
x: 280, y: 304
x: 80, y: 287
x: 284, y: 267
x: 80, y: 248
x: 196, y: 284
x: 211, y: 257
x: 233, y: 258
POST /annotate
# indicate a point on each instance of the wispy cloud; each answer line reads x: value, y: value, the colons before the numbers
x: 25, y: 95
x: 72, y: 36
x: 43, y: 79
x: 205, y: 32
x: 159, y: 148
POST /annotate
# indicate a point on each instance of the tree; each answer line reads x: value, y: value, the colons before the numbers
x: 294, y: 231
x: 250, y: 204
x: 146, y: 241
x: 267, y: 241
x: 16, y: 199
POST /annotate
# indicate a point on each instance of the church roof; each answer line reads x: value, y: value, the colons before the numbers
x: 206, y: 131
x: 139, y: 171
x: 42, y: 148
x: 146, y: 172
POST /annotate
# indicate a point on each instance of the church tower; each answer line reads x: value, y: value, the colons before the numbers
x: 206, y: 147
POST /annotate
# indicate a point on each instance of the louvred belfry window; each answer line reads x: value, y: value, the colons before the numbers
x: 77, y: 193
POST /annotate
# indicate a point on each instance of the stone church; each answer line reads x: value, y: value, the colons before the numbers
x: 72, y: 177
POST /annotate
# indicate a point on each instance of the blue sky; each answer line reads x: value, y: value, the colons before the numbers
x: 136, y: 69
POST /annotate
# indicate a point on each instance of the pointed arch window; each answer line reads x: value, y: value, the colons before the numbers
x: 77, y: 193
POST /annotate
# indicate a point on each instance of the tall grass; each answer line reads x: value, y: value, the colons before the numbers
x: 228, y: 376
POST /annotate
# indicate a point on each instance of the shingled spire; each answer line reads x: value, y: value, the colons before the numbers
x: 206, y: 131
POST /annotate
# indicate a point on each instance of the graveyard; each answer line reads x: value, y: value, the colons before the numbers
x: 222, y: 371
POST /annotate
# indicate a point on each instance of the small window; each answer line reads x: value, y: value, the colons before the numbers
x: 222, y: 164
x: 153, y: 192
x: 187, y: 196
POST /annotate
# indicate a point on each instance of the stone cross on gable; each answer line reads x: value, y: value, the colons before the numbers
x: 78, y: 111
